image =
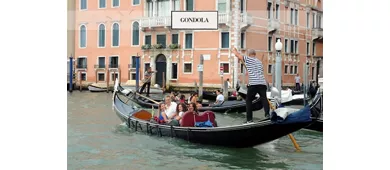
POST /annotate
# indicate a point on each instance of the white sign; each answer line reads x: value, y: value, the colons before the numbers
x: 194, y: 20
x: 206, y: 56
x: 200, y: 67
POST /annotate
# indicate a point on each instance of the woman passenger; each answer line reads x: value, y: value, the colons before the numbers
x: 180, y: 110
x: 160, y: 114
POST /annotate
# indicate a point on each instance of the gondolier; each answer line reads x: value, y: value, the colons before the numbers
x: 148, y: 75
x: 257, y: 82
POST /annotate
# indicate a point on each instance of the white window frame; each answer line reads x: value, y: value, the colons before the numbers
x: 217, y: 5
x: 296, y: 71
x: 99, y: 4
x: 131, y: 62
x: 131, y: 35
x: 177, y: 70
x: 307, y: 19
x: 268, y: 43
x: 105, y: 35
x: 192, y: 67
x: 79, y: 75
x: 86, y: 36
x: 296, y: 46
x: 77, y: 63
x: 243, y: 6
x: 291, y: 72
x: 219, y: 69
x: 97, y: 60
x: 101, y: 72
x: 112, y: 4
x: 269, y: 72
x: 111, y: 75
x: 131, y: 75
x: 314, y: 48
x: 109, y: 61
x: 166, y: 38
x: 112, y: 35
x: 243, y: 46
x: 192, y: 33
x: 220, y: 39
x: 271, y: 10
x: 308, y: 48
x: 86, y: 1
x: 193, y: 5
x: 178, y: 37
x: 139, y: 2
x: 296, y: 15
x: 288, y: 67
x: 277, y: 12
x: 151, y: 38
x: 286, y: 49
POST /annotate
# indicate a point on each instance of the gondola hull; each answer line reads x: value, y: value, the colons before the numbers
x: 211, y: 96
x: 236, y: 136
x: 92, y: 88
x: 297, y: 99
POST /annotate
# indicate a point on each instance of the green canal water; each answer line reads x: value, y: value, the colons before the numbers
x: 98, y: 140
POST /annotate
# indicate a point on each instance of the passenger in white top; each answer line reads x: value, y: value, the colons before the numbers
x: 297, y: 83
x: 219, y: 100
x: 180, y: 110
x: 170, y: 106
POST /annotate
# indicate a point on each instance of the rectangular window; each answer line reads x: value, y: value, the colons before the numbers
x: 81, y: 62
x: 102, y: 3
x: 101, y: 77
x: 115, y: 3
x: 133, y: 61
x: 292, y: 16
x: 163, y: 8
x: 176, y: 5
x: 308, y: 48
x: 133, y: 76
x: 83, y: 4
x: 269, y: 71
x: 189, y: 5
x: 188, y: 41
x: 296, y: 47
x: 174, y: 71
x: 307, y: 20
x: 314, y: 49
x: 242, y: 40
x: 285, y: 69
x: 291, y: 69
x: 295, y: 69
x: 286, y: 45
x: 102, y: 62
x: 296, y: 17
x: 269, y: 43
x: 161, y: 39
x: 292, y: 47
x: 314, y: 20
x: 225, y: 67
x: 242, y: 6
x: 175, y: 38
x: 83, y: 76
x: 187, y: 67
x: 225, y: 40
x: 269, y: 6
x: 319, y: 21
x: 150, y: 8
x: 277, y: 11
x: 148, y: 39
x: 135, y: 2
x: 114, y: 76
x: 221, y: 6
x: 114, y: 62
x: 312, y: 73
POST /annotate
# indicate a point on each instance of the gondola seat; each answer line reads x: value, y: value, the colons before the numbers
x: 189, y: 118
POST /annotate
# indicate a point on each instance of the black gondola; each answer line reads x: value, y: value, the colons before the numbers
x: 238, y: 136
x: 297, y: 98
x: 211, y: 96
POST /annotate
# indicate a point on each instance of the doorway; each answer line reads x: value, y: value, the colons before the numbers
x: 161, y: 68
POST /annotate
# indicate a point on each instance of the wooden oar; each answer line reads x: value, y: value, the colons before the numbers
x: 272, y: 107
x: 147, y: 98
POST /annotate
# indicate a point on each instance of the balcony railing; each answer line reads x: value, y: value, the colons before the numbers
x: 113, y: 66
x: 273, y: 25
x: 100, y: 66
x: 81, y: 66
x: 165, y: 21
x: 317, y: 33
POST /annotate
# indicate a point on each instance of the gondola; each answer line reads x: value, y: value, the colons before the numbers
x: 94, y: 88
x: 211, y: 96
x: 226, y: 106
x: 102, y: 87
x: 287, y: 97
x: 317, y: 112
x: 236, y: 136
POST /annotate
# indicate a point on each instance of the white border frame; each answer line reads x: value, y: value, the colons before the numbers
x: 98, y: 5
x: 97, y: 61
x: 178, y: 68
x: 151, y: 38
x: 288, y: 66
x: 119, y: 4
x: 243, y: 46
x: 220, y: 39
x: 132, y: 3
x: 308, y: 48
x: 105, y: 35
x: 166, y: 44
x: 86, y: 36
x: 178, y: 37
x: 76, y: 59
x: 80, y: 6
x: 79, y: 76
x: 184, y: 38
x: 131, y: 34
x: 268, y: 70
x: 116, y: 72
x: 286, y: 49
x: 219, y: 65
x: 101, y: 72
x: 112, y: 35
x: 109, y: 61
x: 185, y: 5
x: 192, y: 67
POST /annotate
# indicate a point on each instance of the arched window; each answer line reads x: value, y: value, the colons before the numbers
x: 115, y: 35
x: 135, y: 33
x: 83, y: 36
x: 102, y: 35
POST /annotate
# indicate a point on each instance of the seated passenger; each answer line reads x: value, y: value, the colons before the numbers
x: 219, y: 100
x: 159, y: 118
x: 191, y: 118
x: 170, y: 110
x: 182, y: 99
x: 180, y: 110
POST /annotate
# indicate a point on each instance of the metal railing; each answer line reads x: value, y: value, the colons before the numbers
x: 81, y: 66
x: 100, y: 66
x: 113, y: 66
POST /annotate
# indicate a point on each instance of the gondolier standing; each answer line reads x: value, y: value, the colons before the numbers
x: 257, y: 82
x: 148, y: 75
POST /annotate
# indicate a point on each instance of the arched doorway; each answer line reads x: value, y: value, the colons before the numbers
x: 161, y: 67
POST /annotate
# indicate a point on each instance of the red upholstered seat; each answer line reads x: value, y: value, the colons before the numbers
x: 188, y: 118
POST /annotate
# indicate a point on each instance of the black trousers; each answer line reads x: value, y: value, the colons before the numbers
x: 297, y: 87
x: 250, y: 96
x: 143, y: 87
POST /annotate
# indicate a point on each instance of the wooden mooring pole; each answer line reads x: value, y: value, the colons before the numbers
x: 200, y: 93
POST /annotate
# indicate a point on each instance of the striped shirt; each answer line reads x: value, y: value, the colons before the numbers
x: 255, y: 71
